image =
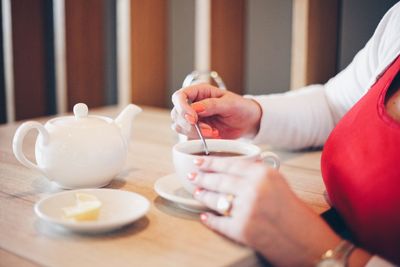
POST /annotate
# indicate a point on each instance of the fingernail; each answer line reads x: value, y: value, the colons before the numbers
x: 198, y: 191
x: 191, y: 176
x: 206, y: 132
x: 215, y: 133
x: 198, y: 161
x: 198, y: 107
x: 205, y: 126
x: 203, y: 217
x: 190, y: 118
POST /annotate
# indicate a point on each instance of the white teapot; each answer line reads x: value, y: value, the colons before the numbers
x: 79, y: 151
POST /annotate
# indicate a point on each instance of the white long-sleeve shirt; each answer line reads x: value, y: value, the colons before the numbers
x: 304, y: 118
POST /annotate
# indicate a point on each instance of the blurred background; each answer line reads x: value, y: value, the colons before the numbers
x: 55, y: 53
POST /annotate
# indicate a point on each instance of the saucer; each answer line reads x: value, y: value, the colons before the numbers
x: 118, y: 209
x: 169, y: 187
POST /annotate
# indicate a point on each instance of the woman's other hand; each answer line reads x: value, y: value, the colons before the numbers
x: 221, y: 114
x: 265, y: 214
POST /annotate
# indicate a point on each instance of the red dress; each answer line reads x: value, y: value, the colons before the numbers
x: 361, y: 170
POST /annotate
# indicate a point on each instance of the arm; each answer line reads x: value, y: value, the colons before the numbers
x: 305, y: 117
x: 265, y: 214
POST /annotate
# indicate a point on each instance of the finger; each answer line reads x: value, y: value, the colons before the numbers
x: 191, y: 134
x: 205, y: 128
x: 222, y: 224
x: 211, y: 106
x: 207, y: 131
x: 181, y: 121
x: 208, y: 198
x: 215, y: 200
x: 202, y: 91
x: 237, y: 167
x: 215, y: 132
x: 218, y: 182
x: 223, y: 105
x: 180, y: 101
x: 174, y: 115
x: 184, y: 96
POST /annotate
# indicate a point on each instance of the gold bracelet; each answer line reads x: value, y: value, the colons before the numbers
x: 337, y: 257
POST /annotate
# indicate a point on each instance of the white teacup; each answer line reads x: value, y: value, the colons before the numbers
x: 183, y: 156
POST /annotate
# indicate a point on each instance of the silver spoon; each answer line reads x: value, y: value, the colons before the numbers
x: 195, y: 77
x: 202, y: 138
x: 196, y: 125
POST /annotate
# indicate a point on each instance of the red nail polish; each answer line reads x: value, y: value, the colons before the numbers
x: 206, y: 132
x: 205, y: 126
x: 198, y: 107
x: 191, y: 176
x: 190, y: 118
x: 198, y: 161
x: 198, y: 191
x: 215, y: 133
x: 203, y: 217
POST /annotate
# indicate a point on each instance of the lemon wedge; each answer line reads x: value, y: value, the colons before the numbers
x: 83, y: 197
x: 87, y: 208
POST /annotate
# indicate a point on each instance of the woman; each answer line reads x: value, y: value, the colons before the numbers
x: 359, y: 109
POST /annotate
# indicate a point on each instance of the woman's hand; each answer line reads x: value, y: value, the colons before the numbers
x: 222, y: 114
x: 265, y: 214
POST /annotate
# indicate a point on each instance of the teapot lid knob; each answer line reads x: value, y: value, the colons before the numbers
x: 80, y: 110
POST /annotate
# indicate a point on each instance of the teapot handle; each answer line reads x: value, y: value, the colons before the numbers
x: 19, y: 139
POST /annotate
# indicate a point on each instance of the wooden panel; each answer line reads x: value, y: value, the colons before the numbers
x: 227, y: 41
x: 149, y: 52
x: 28, y: 37
x: 323, y: 36
x: 85, y: 52
x: 314, y: 42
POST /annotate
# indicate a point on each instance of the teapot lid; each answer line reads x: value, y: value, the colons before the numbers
x: 80, y: 118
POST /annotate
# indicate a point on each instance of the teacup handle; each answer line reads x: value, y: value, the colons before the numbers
x: 19, y: 139
x: 270, y: 156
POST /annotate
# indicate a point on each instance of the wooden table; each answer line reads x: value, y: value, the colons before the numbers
x: 166, y: 236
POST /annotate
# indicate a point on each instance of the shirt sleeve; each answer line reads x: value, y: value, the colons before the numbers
x: 305, y: 117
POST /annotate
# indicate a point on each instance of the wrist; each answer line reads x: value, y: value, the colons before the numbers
x: 344, y: 254
x: 359, y: 257
x: 337, y: 256
x: 256, y: 114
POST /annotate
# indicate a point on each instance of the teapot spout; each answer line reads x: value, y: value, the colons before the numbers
x: 125, y: 120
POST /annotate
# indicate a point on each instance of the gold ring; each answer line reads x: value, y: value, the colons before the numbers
x: 225, y: 203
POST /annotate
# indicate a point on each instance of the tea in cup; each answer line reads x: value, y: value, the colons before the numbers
x: 184, y: 153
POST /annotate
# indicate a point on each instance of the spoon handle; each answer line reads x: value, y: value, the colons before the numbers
x: 202, y: 139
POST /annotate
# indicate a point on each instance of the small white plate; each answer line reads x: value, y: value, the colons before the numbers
x: 118, y: 209
x: 170, y: 188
